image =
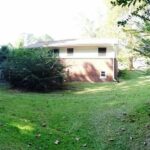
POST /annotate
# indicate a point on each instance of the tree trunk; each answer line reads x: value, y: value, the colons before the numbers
x: 131, y: 67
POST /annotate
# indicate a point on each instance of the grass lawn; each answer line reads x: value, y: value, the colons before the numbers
x: 100, y: 116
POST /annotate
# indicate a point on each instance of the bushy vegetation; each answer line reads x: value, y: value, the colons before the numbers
x: 4, y: 50
x: 128, y: 74
x: 148, y: 71
x: 123, y: 74
x: 33, y: 70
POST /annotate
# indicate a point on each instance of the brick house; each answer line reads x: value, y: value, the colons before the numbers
x: 91, y: 60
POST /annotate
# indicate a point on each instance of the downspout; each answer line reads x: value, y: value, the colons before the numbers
x: 115, y: 70
x: 115, y: 78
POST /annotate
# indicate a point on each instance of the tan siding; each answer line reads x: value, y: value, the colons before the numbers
x: 87, y: 52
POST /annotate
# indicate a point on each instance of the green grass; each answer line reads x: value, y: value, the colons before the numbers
x: 100, y: 116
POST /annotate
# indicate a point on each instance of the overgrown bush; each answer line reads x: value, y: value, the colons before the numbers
x: 123, y: 74
x: 147, y: 71
x: 130, y: 74
x: 4, y: 52
x: 34, y: 70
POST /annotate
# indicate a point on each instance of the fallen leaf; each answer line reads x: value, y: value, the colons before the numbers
x: 111, y: 139
x: 84, y: 145
x: 77, y: 138
x: 131, y: 138
x: 148, y: 126
x: 57, y: 142
x: 43, y: 124
x: 124, y: 113
x: 145, y: 143
x: 123, y: 129
x: 38, y: 135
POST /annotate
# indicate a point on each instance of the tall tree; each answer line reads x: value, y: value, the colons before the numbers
x: 143, y: 39
x: 142, y: 31
x: 29, y: 38
x: 104, y: 28
x: 141, y: 9
x: 127, y: 55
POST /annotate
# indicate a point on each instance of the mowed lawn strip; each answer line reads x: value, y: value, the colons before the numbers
x: 98, y: 116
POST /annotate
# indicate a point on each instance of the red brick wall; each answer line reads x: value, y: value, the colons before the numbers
x: 88, y: 69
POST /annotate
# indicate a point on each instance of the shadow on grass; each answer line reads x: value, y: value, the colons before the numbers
x: 131, y: 74
x: 27, y: 135
x: 134, y: 84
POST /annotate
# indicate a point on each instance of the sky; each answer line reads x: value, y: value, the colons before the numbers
x: 61, y: 19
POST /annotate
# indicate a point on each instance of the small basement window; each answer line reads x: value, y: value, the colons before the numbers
x: 101, y: 51
x: 103, y: 74
x: 70, y: 51
x: 56, y: 52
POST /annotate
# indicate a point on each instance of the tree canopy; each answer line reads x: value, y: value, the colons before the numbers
x: 96, y: 28
x: 141, y: 9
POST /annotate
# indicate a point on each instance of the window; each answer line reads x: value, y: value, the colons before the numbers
x: 56, y: 52
x: 102, y: 74
x: 102, y: 51
x: 70, y: 51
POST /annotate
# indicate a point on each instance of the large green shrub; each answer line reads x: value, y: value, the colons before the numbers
x: 4, y: 51
x: 34, y: 70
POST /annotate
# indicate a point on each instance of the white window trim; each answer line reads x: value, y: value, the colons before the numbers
x: 102, y: 54
x: 58, y: 54
x: 70, y: 54
x: 103, y: 77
